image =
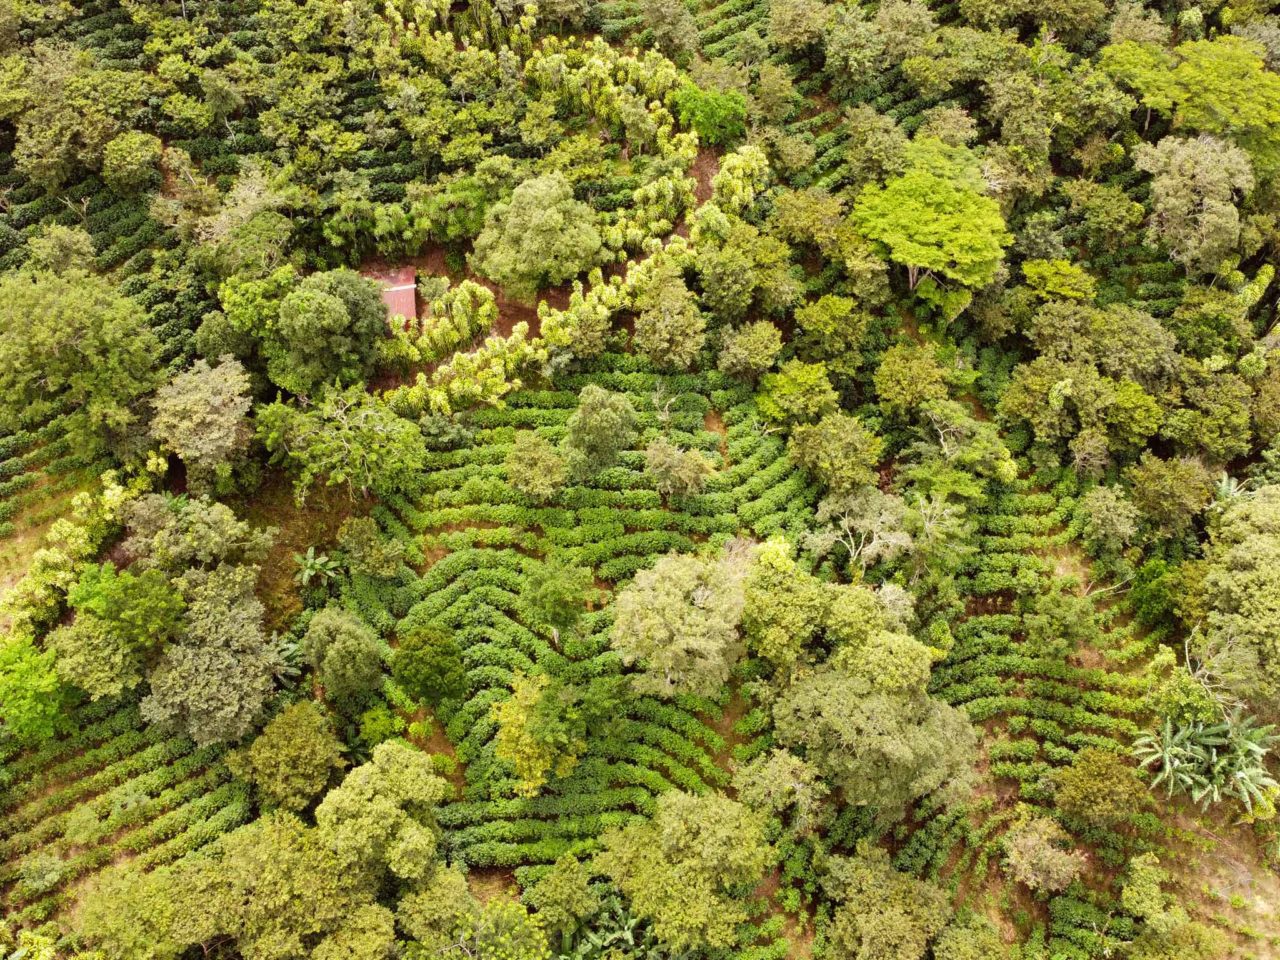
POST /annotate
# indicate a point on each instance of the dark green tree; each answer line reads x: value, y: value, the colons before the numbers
x: 427, y: 663
x: 603, y: 425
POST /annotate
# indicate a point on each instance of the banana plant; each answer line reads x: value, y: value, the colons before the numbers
x: 314, y: 566
x: 1211, y: 762
x: 1172, y: 752
x: 615, y: 932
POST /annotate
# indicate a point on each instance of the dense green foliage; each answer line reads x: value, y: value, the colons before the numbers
x: 815, y: 494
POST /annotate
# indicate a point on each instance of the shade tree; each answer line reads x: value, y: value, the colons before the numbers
x: 427, y: 664
x: 1195, y: 185
x: 970, y: 937
x: 1218, y: 86
x: 670, y: 329
x: 348, y: 658
x: 381, y: 819
x: 1241, y: 579
x: 73, y: 344
x: 678, y: 622
x: 1170, y: 493
x: 798, y: 392
x: 309, y: 333
x: 865, y: 718
x: 540, y: 237
x: 275, y: 888
x: 94, y: 657
x: 542, y: 727
x: 554, y: 595
x: 32, y: 696
x: 750, y: 350
x: 881, y: 912
x: 143, y: 609
x: 1038, y: 854
x: 367, y: 550
x: 602, y: 426
x: 201, y: 416
x: 673, y: 26
x: 349, y: 438
x: 935, y: 218
x: 131, y: 162
x: 838, y: 451
x: 718, y: 116
x: 784, y: 605
x: 908, y: 377
x: 59, y: 249
x: 174, y: 534
x: 1099, y: 788
x: 675, y: 472
x: 535, y: 467
x: 686, y: 869
x: 781, y: 784
x: 563, y: 897
x: 832, y: 328
x: 67, y: 108
x: 292, y: 760
x: 214, y: 681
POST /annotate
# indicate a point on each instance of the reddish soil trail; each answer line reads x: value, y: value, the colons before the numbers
x: 706, y: 166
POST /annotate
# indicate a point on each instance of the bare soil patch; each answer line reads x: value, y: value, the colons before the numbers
x: 705, y: 166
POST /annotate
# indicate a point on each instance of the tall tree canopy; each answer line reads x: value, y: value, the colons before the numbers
x: 936, y: 217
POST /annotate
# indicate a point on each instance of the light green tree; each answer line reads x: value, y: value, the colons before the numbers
x: 93, y: 656
x: 543, y: 727
x: 32, y: 697
x: 936, y: 219
x: 679, y: 622
x: 797, y: 392
x: 142, y: 608
x: 72, y: 344
x: 131, y: 162
x: 1219, y: 86
x: 686, y: 868
x: 293, y: 758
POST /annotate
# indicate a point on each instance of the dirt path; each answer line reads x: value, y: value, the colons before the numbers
x: 725, y: 725
x: 714, y: 422
x: 704, y: 168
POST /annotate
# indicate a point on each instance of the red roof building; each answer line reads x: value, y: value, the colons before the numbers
x: 399, y: 290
